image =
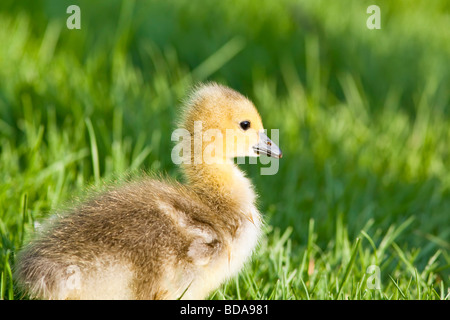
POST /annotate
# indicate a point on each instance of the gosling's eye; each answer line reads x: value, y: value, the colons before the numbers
x: 245, y: 125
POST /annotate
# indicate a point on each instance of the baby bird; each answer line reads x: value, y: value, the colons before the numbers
x: 158, y: 238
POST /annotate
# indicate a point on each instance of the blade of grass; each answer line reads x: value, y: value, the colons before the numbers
x: 397, y: 286
x: 219, y: 58
x: 349, y: 266
x: 305, y: 288
x: 94, y: 150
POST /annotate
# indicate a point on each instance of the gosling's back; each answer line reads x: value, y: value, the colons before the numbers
x: 145, y: 240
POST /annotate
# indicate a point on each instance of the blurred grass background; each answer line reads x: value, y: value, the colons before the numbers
x: 364, y: 122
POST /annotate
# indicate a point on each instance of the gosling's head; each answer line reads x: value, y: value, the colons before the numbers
x: 224, y: 124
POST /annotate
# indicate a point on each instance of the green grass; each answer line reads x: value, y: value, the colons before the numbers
x: 363, y: 116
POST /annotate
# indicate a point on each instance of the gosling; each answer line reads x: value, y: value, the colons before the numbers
x: 158, y: 238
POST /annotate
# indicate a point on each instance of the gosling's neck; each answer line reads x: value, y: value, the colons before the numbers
x: 223, y: 185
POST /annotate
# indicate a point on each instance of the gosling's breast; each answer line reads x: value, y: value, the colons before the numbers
x: 229, y: 262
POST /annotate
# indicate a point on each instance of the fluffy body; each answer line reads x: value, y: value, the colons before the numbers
x: 153, y: 238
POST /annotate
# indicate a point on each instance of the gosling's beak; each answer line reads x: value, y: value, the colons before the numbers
x: 267, y: 147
